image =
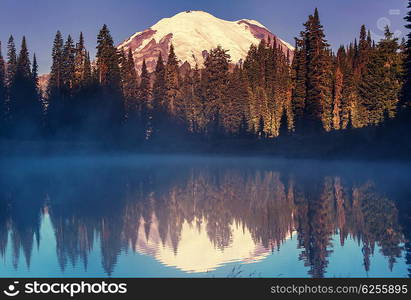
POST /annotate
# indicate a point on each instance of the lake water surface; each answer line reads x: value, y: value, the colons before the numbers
x: 176, y: 216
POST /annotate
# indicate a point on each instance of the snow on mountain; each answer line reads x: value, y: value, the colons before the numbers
x: 193, y: 33
x: 254, y: 22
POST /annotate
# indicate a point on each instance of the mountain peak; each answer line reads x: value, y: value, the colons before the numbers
x: 193, y: 33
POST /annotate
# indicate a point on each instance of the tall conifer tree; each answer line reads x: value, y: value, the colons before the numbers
x: 130, y: 84
x: 55, y: 104
x: 35, y: 76
x: 55, y: 81
x: 11, y: 61
x: 317, y: 72
x: 144, y: 88
x: 80, y: 57
x: 107, y: 61
x: 25, y: 107
x: 406, y: 92
x: 299, y: 92
x: 68, y: 68
x: 111, y: 105
x: 172, y: 81
x: 337, y: 92
x: 3, y: 94
x: 144, y: 95
x: 159, y: 106
x: 214, y: 84
x: 381, y: 83
x: 134, y: 125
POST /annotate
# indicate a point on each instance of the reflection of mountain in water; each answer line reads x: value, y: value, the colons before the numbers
x: 195, y: 251
x: 198, y: 218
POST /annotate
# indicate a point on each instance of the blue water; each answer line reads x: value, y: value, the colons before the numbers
x: 176, y: 216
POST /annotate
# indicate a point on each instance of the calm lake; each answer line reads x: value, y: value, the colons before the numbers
x: 182, y: 216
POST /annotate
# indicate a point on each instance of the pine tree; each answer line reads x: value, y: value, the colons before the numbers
x: 62, y: 108
x: 111, y: 106
x: 351, y: 108
x: 380, y: 85
x: 35, y: 73
x: 86, y: 100
x: 55, y: 81
x: 144, y: 88
x: 406, y: 91
x: 37, y: 91
x: 25, y: 107
x: 80, y: 57
x: 130, y: 84
x: 123, y: 61
x: 135, y: 126
x: 252, y: 70
x: 159, y: 107
x: 299, y: 92
x: 187, y: 102
x: 281, y: 102
x: 144, y: 95
x: 68, y: 68
x: 389, y: 48
x: 87, y: 76
x: 260, y: 111
x: 234, y: 105
x: 197, y: 104
x: 3, y: 94
x: 364, y: 49
x: 191, y: 99
x: 11, y: 61
x: 347, y: 98
x: 317, y: 73
x: 265, y: 67
x: 214, y: 82
x: 252, y: 67
x: 107, y: 61
x: 77, y: 63
x: 270, y: 79
x: 328, y: 85
x: 67, y: 89
x: 273, y: 85
x: 172, y: 81
x: 337, y: 97
x: 261, y: 66
x: 159, y: 83
x: 184, y: 107
x: 54, y: 87
x: 23, y: 61
x: 359, y: 59
x: 241, y: 101
x: 270, y: 61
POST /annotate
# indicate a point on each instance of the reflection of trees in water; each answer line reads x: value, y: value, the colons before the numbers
x: 379, y: 222
x: 109, y: 206
x: 19, y: 218
x: 358, y: 211
x: 316, y: 225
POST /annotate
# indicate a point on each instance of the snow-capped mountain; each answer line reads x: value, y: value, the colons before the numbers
x: 193, y: 33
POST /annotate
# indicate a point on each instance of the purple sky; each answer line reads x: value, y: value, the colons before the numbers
x: 39, y: 19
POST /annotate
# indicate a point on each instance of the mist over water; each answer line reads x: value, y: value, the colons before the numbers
x: 174, y: 216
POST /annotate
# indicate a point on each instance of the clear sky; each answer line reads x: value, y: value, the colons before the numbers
x: 39, y: 19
